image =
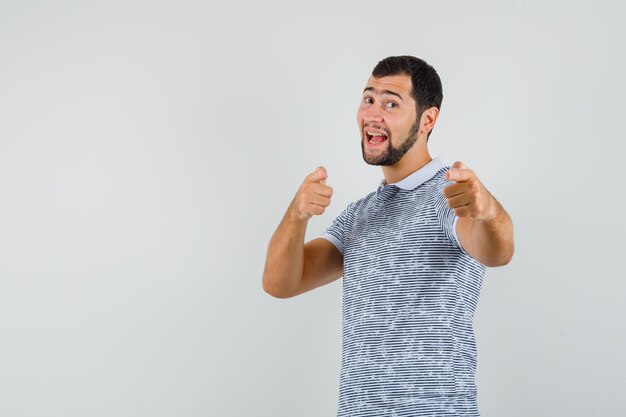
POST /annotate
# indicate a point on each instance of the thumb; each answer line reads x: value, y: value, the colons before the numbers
x: 458, y: 172
x: 459, y: 165
x: 319, y: 175
x: 450, y: 173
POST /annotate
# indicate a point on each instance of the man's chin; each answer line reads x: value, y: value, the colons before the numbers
x: 378, y: 160
x: 374, y: 158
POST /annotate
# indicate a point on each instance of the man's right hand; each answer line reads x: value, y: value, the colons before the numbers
x: 313, y: 196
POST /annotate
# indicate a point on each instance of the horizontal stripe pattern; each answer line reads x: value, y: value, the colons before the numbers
x: 409, y: 296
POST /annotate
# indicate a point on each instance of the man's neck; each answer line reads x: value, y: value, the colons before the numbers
x: 410, y: 162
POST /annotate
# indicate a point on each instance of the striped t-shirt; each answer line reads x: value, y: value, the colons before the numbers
x: 409, y: 296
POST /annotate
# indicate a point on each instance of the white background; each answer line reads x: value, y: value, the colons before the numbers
x: 148, y: 150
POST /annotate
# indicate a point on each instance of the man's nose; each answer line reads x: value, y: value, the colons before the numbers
x: 373, y: 114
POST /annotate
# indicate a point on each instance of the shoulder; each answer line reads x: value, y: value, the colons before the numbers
x: 438, y: 181
x: 362, y: 201
x: 352, y: 207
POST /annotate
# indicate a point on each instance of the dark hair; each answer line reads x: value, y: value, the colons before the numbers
x: 427, y: 91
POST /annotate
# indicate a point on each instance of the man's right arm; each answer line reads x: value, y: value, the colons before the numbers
x: 291, y: 266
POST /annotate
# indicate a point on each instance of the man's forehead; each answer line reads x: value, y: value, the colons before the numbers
x: 401, y: 84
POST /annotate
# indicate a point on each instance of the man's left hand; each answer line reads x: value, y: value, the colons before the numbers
x: 468, y: 196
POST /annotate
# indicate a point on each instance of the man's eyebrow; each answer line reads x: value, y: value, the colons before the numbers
x: 393, y: 93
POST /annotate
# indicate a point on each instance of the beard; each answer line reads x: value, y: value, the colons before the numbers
x: 391, y: 155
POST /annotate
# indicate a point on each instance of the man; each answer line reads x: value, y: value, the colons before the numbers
x: 412, y: 255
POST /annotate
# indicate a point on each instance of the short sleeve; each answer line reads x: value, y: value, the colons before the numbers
x: 446, y: 216
x: 336, y: 232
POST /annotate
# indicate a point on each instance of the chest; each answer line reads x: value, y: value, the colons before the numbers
x: 399, y: 229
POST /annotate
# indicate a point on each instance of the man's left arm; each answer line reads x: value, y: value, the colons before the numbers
x: 484, y: 228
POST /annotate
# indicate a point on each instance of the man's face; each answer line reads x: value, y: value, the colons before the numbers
x: 387, y: 108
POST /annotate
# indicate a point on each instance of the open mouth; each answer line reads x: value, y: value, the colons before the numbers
x: 375, y: 138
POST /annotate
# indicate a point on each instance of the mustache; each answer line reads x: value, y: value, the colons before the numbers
x: 376, y: 127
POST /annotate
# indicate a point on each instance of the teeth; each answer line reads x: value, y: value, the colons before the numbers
x: 375, y: 134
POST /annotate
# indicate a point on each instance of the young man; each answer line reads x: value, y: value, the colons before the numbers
x: 412, y: 255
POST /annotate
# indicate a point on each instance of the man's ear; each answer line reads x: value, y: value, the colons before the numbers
x: 428, y: 119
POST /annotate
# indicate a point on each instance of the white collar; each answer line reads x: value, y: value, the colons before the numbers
x: 418, y: 177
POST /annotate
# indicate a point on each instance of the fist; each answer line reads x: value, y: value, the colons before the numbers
x: 313, y: 196
x: 467, y: 196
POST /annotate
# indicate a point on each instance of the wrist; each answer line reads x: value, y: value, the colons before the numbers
x: 492, y: 211
x: 294, y: 216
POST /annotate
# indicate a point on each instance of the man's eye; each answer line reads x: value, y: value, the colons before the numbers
x: 367, y: 100
x: 392, y: 104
